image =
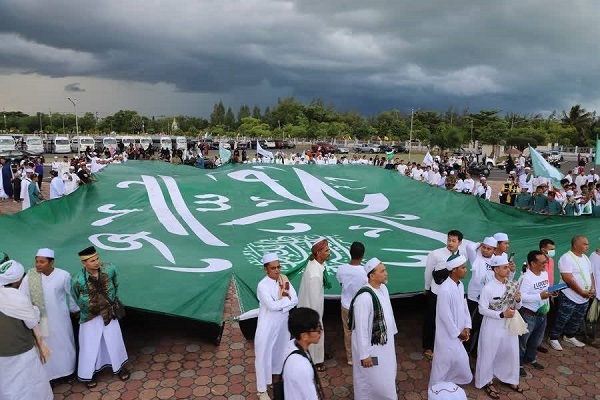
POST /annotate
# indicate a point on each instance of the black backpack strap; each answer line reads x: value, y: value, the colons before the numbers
x: 288, y: 356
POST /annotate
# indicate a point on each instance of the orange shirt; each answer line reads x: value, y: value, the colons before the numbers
x: 550, y: 270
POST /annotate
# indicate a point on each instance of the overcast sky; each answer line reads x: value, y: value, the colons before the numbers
x: 182, y: 56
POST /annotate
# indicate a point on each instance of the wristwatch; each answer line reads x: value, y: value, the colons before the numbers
x: 502, y: 314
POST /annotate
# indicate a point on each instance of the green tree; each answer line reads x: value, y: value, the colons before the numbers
x: 229, y: 120
x: 447, y: 137
x: 256, y: 112
x: 217, y: 117
x: 581, y: 120
x: 243, y: 112
x: 495, y: 133
x: 87, y: 122
x: 253, y: 127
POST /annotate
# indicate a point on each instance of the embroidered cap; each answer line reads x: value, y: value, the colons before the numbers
x: 501, y: 237
x: 268, y: 257
x: 372, y: 264
x: 87, y: 253
x: 45, y: 252
x: 455, y: 261
x: 490, y: 241
x: 11, y: 271
x: 497, y: 261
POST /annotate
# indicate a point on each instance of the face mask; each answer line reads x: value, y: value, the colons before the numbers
x: 551, y: 253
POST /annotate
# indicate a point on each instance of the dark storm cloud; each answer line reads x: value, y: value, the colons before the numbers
x: 512, y: 55
x: 74, y: 87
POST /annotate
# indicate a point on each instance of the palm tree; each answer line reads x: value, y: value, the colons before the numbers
x: 581, y: 120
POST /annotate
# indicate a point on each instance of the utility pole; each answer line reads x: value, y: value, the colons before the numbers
x: 412, y: 113
x: 41, y: 127
x: 73, y: 101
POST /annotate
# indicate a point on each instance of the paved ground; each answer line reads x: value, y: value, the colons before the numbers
x: 168, y: 360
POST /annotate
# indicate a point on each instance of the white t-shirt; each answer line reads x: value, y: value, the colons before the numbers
x: 402, y: 168
x: 352, y: 278
x: 595, y: 260
x: 531, y: 287
x: 581, y: 268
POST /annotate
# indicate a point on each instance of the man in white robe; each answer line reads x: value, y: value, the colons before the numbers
x: 498, y: 351
x: 25, y: 182
x: 351, y: 277
x: 312, y: 293
x: 301, y: 381
x: 22, y: 375
x: 452, y: 328
x: 101, y: 343
x: 71, y: 180
x: 373, y: 329
x: 49, y: 289
x: 277, y: 297
x: 57, y: 186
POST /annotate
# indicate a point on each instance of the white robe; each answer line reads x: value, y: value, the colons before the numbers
x: 3, y: 194
x: 26, y: 203
x: 311, y: 295
x: 99, y: 347
x: 272, y: 335
x: 498, y: 352
x: 72, y: 184
x: 451, y: 361
x: 377, y: 382
x: 298, y: 376
x: 59, y: 302
x: 57, y: 188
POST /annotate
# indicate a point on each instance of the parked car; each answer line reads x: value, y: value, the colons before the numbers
x: 268, y: 144
x: 284, y: 144
x: 384, y: 148
x: 367, y: 148
x: 400, y: 148
x: 324, y: 147
x: 342, y: 150
x: 17, y: 155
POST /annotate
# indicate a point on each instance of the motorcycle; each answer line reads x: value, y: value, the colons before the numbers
x: 478, y: 169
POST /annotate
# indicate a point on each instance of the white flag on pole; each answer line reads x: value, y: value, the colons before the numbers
x: 263, y: 152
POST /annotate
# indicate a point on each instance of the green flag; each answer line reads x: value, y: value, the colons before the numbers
x: 541, y: 167
x: 224, y: 154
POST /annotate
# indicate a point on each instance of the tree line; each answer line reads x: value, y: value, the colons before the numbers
x: 290, y: 118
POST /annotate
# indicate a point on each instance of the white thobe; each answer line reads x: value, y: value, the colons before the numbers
x: 298, y: 376
x: 498, y: 352
x: 451, y: 361
x: 71, y: 182
x: 272, y: 335
x: 59, y: 302
x: 481, y: 274
x: 100, y: 346
x: 378, y: 381
x: 26, y: 203
x: 57, y: 188
x: 311, y: 295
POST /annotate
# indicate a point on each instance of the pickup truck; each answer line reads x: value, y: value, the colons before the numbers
x: 367, y: 148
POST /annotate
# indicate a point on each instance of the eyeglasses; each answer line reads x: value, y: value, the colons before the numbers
x: 273, y: 268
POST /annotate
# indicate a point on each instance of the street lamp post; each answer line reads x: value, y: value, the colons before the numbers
x: 412, y: 113
x: 73, y: 101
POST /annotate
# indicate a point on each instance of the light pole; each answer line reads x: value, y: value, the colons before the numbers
x: 5, y: 129
x: 73, y: 101
x: 412, y: 113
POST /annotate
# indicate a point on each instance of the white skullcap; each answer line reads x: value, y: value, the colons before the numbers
x: 528, y: 168
x: 497, y: 261
x: 490, y: 241
x: 319, y: 240
x: 372, y: 264
x: 501, y: 237
x: 71, y: 167
x: 268, y: 257
x: 455, y: 262
x: 55, y: 156
x: 446, y: 391
x: 512, y: 173
x: 570, y: 193
x: 452, y: 172
x: 10, y: 272
x: 48, y: 253
x: 29, y: 171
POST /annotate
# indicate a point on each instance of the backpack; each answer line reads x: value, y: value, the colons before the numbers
x: 278, y: 391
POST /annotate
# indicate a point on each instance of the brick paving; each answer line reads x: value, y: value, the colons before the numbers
x: 170, y: 361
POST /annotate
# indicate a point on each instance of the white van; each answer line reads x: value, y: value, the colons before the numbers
x: 166, y: 143
x: 80, y: 143
x: 61, y: 145
x: 34, y: 144
x: 180, y: 143
x: 145, y: 141
x: 7, y: 143
x: 109, y: 143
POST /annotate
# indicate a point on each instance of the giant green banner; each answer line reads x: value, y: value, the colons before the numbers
x: 177, y: 234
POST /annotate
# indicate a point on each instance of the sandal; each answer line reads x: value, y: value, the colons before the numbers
x: 428, y: 354
x: 491, y: 391
x: 320, y: 367
x: 515, y: 388
x: 124, y: 375
x: 91, y: 384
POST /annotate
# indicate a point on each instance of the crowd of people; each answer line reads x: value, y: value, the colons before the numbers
x: 38, y: 342
x: 498, y: 326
